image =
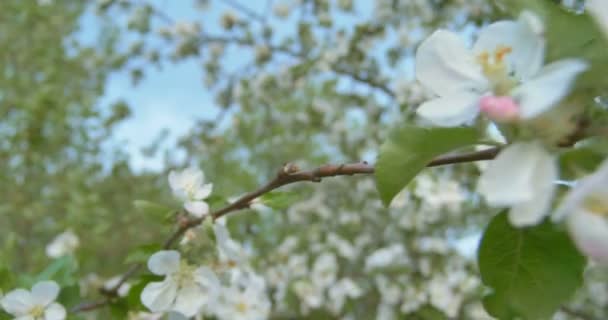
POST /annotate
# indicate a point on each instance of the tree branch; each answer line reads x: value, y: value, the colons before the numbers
x: 288, y: 174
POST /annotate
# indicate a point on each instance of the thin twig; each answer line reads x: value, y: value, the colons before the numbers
x: 245, y: 10
x: 288, y: 174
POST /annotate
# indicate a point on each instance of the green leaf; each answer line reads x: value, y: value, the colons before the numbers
x: 532, y: 271
x: 142, y: 253
x: 579, y: 161
x: 279, y: 200
x: 156, y: 210
x: 409, y: 149
x: 62, y: 270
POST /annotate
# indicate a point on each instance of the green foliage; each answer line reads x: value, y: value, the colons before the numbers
x: 409, y: 149
x: 154, y: 210
x: 279, y: 200
x: 531, y: 271
x: 141, y: 253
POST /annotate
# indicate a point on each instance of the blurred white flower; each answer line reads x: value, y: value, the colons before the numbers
x: 443, y: 297
x: 521, y: 177
x: 37, y: 304
x: 324, y: 270
x: 63, y: 244
x: 502, y: 76
x: 185, y: 289
x: 231, y: 253
x: 244, y: 300
x: 586, y: 211
x: 599, y: 10
x: 311, y: 296
x: 189, y: 186
x: 124, y: 288
x: 345, y: 288
x: 392, y: 255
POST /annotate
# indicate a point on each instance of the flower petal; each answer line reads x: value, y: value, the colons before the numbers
x: 54, y: 311
x: 445, y: 65
x: 206, y: 278
x: 190, y: 299
x: 45, y: 292
x: 17, y: 302
x: 25, y: 317
x: 164, y: 262
x: 452, y: 110
x: 546, y: 89
x: 523, y: 37
x: 590, y: 234
x: 197, y: 208
x: 159, y: 296
x: 531, y: 212
x: 204, y: 191
x: 509, y: 179
x: 599, y: 10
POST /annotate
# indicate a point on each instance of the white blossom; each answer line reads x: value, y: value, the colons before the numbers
x: 502, y: 75
x: 189, y: 186
x: 521, y: 177
x: 185, y: 289
x: 244, y: 300
x: 345, y: 288
x: 586, y: 212
x: 599, y: 10
x: 37, y: 304
x: 63, y: 244
x: 384, y: 257
x: 324, y: 270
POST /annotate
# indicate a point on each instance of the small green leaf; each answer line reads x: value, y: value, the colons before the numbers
x: 279, y: 200
x: 156, y: 210
x: 62, y: 270
x: 409, y: 149
x: 532, y: 271
x: 142, y: 253
x: 579, y: 161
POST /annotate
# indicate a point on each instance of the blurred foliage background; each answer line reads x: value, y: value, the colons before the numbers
x: 309, y: 81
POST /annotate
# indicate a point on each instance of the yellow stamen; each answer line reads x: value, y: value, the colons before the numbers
x: 596, y: 205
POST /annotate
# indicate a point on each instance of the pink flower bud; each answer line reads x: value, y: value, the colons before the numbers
x: 499, y: 109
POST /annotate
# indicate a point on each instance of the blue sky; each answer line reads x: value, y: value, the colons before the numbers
x: 174, y: 97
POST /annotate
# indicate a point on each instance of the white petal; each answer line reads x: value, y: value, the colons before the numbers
x: 25, y: 317
x: 45, y: 292
x: 595, y: 184
x: 508, y: 180
x: 204, y: 191
x: 55, y: 311
x: 590, y: 234
x: 527, y: 45
x: 17, y: 302
x: 190, y: 298
x: 206, y: 278
x: 197, y: 208
x: 546, y: 89
x: 599, y: 10
x: 444, y: 65
x: 164, y: 262
x: 531, y: 212
x: 453, y: 110
x: 159, y: 296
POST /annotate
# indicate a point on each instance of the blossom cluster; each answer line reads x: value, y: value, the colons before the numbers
x: 503, y: 78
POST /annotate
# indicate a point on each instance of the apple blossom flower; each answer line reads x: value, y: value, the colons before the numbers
x: 185, y: 289
x: 231, y: 253
x: 245, y: 299
x: 324, y: 270
x: 586, y: 211
x: 522, y: 177
x: 63, y: 244
x: 37, y: 304
x: 188, y: 185
x: 345, y: 288
x: 599, y: 10
x: 502, y: 76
